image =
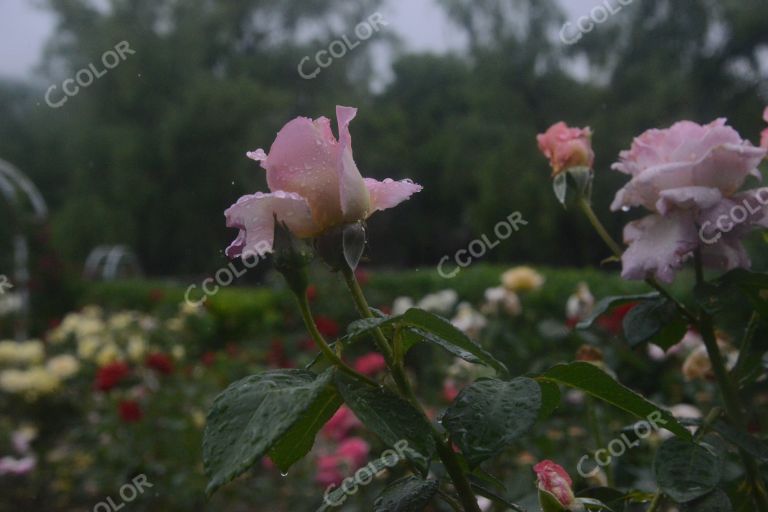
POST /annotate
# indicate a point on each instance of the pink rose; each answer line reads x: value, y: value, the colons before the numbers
x: 764, y: 136
x: 354, y: 452
x: 314, y: 185
x: 689, y: 177
x: 554, y: 479
x: 351, y: 454
x: 13, y: 466
x: 340, y: 424
x: 328, y: 471
x: 370, y: 364
x: 566, y: 147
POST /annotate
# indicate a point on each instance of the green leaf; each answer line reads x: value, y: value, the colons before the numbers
x: 685, y: 470
x: 391, y: 418
x: 549, y: 503
x: 491, y: 414
x: 594, y: 381
x: 595, y: 505
x: 494, y: 496
x: 411, y: 494
x: 656, y: 320
x: 550, y: 399
x: 614, y: 499
x: 734, y: 286
x: 424, y: 326
x: 298, y: 441
x: 441, y: 332
x: 716, y: 501
x: 609, y: 303
x: 252, y: 415
x: 743, y: 440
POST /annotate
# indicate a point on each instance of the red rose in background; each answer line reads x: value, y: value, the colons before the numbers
x: 160, y: 362
x: 208, y: 358
x: 130, y: 411
x: 276, y: 357
x: 362, y: 276
x: 613, y: 321
x: 156, y: 295
x: 110, y: 375
x: 311, y: 292
x: 327, y: 326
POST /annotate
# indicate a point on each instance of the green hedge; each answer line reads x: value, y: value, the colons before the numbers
x: 255, y: 311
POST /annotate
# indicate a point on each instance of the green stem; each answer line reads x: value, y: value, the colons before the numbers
x: 444, y: 449
x: 365, y: 312
x: 656, y: 502
x: 327, y: 351
x: 746, y: 343
x: 590, y: 213
x: 729, y: 392
x: 617, y: 251
x: 597, y: 432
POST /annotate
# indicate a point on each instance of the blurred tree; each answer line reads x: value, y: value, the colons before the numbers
x: 153, y: 152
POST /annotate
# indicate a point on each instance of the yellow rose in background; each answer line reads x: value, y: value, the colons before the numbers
x: 522, y: 279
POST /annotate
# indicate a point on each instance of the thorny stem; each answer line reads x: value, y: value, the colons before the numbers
x: 327, y: 351
x: 706, y: 327
x: 444, y: 449
x: 746, y: 343
x: 729, y: 393
x: 656, y: 503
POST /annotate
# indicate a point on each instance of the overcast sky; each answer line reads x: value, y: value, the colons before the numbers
x: 24, y: 29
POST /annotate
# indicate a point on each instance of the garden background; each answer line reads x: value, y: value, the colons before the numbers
x: 151, y: 154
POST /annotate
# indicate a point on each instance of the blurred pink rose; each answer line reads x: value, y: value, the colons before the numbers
x: 314, y: 185
x: 764, y: 137
x: 689, y: 176
x: 328, y: 471
x: 555, y: 480
x: 13, y: 466
x: 351, y: 454
x: 340, y: 424
x: 566, y: 147
x: 370, y: 364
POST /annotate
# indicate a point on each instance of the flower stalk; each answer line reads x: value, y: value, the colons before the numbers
x: 444, y: 450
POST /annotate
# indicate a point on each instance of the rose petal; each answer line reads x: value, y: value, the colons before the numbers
x: 728, y: 253
x: 724, y: 167
x: 355, y: 200
x: 686, y: 198
x: 389, y: 193
x: 658, y: 245
x: 254, y: 216
x: 304, y: 160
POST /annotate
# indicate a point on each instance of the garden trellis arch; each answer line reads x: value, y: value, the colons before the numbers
x: 26, y: 203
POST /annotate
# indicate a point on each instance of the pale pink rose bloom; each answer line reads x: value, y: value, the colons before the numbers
x: 555, y: 480
x: 689, y: 176
x: 314, y: 185
x: 566, y: 147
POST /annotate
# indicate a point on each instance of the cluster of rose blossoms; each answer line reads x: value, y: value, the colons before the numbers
x: 110, y: 376
x: 689, y: 177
